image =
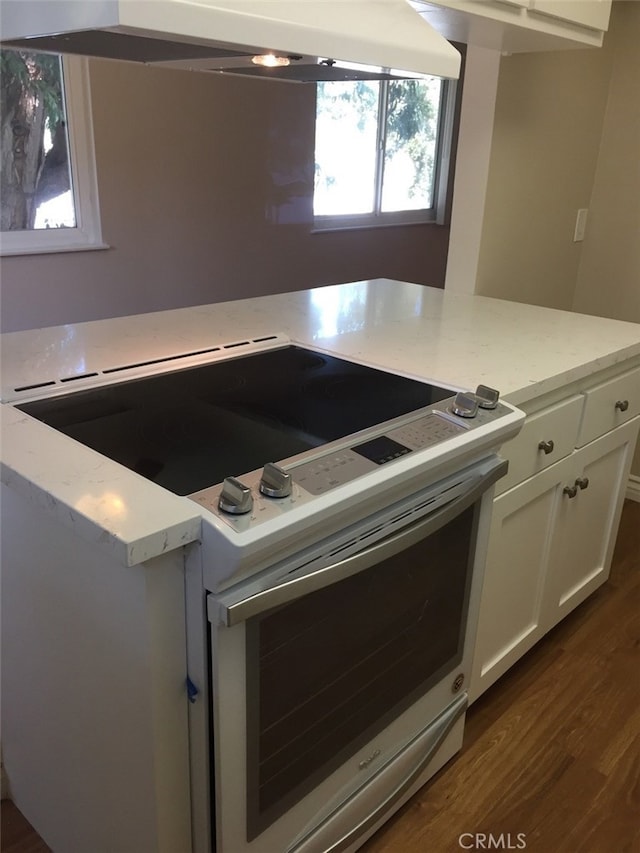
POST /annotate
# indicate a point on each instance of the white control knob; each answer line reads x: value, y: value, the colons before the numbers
x: 275, y: 481
x: 235, y: 498
x: 464, y: 405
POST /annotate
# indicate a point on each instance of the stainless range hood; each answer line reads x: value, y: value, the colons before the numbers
x: 313, y: 39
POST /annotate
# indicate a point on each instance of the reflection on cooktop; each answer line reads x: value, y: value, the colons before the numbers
x: 189, y: 429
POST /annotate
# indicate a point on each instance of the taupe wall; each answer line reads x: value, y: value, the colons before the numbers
x: 548, y: 124
x: 566, y: 136
x: 609, y: 273
x: 205, y: 195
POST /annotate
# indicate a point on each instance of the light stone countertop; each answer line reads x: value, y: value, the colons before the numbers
x: 455, y: 339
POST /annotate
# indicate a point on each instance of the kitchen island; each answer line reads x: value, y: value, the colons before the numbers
x: 109, y: 644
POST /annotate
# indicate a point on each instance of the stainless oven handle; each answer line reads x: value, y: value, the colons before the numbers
x: 232, y: 612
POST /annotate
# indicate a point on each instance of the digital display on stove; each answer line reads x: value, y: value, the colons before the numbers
x: 380, y: 450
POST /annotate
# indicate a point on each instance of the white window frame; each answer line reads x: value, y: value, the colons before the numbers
x: 434, y: 214
x: 88, y: 233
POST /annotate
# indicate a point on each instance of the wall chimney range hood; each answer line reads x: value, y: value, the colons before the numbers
x: 312, y: 39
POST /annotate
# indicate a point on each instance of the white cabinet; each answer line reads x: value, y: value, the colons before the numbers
x: 609, y: 404
x: 586, y: 13
x: 510, y: 609
x: 553, y: 532
x: 582, y: 543
x: 519, y: 25
x: 94, y: 713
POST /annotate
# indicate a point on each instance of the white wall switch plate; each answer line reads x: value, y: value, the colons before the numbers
x: 581, y: 225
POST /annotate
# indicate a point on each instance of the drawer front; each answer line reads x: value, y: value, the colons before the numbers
x: 609, y: 405
x: 545, y: 438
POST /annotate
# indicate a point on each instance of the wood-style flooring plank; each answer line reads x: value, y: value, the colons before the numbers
x: 18, y: 836
x: 552, y: 750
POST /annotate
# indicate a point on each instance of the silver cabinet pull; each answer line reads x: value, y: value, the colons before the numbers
x: 582, y: 483
x: 546, y: 446
x: 570, y: 491
x: 622, y: 405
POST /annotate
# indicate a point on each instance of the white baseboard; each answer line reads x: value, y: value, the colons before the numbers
x: 633, y: 488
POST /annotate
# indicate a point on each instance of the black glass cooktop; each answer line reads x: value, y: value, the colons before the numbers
x: 189, y: 429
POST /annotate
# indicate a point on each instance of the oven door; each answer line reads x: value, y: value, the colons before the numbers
x: 338, y: 677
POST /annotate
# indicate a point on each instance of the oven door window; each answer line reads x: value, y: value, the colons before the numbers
x: 327, y: 672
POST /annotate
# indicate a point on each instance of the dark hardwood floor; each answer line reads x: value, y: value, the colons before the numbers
x: 551, y: 758
x: 18, y: 836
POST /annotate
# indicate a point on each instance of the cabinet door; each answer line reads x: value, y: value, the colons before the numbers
x: 549, y: 550
x: 587, y: 522
x: 509, y: 622
x: 587, y: 13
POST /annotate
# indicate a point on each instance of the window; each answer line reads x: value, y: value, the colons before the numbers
x: 48, y: 199
x: 382, y: 149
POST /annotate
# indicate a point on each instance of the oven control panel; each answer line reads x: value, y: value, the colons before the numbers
x: 339, y: 468
x: 264, y: 495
